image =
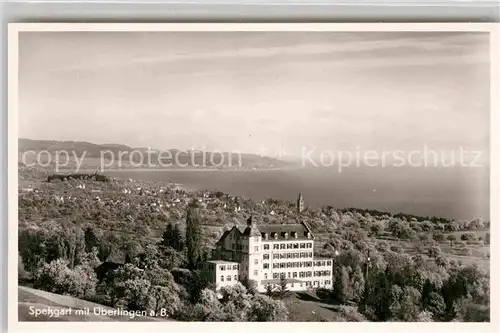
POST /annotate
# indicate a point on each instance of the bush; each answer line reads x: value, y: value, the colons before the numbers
x: 397, y: 248
x: 351, y: 314
x: 323, y: 293
x: 58, y: 278
x: 438, y: 237
x: 468, y: 236
x: 434, y: 252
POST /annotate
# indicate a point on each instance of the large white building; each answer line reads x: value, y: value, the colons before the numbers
x: 265, y: 253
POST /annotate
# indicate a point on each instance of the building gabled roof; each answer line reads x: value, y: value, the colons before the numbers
x: 281, y: 230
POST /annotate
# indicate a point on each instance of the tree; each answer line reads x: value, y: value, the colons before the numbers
x: 451, y: 238
x: 434, y: 252
x: 270, y: 290
x: 171, y: 259
x: 406, y: 305
x: 468, y: 236
x: 193, y: 235
x: 91, y: 239
x: 265, y: 308
x: 438, y: 237
x: 376, y: 229
x: 358, y: 284
x: 194, y: 285
x: 58, y: 278
x: 434, y: 302
x: 250, y: 285
x: 423, y: 237
x: 342, y: 287
x: 172, y: 237
x: 148, y: 289
x: 282, y: 290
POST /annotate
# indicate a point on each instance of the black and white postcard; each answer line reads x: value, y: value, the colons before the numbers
x: 188, y: 173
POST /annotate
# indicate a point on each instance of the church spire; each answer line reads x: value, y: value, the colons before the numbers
x: 300, y: 203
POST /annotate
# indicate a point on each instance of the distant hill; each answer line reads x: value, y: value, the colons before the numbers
x: 30, y: 300
x: 172, y: 158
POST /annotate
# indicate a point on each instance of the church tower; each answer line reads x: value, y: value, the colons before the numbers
x: 300, y: 203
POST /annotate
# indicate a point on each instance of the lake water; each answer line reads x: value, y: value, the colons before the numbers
x: 461, y: 193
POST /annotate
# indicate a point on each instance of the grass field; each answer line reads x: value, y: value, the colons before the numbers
x: 307, y: 307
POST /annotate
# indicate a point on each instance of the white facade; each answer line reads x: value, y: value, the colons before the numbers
x: 266, y: 253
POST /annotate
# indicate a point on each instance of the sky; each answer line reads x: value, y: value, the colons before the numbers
x: 256, y: 91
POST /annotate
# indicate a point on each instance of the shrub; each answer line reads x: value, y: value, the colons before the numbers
x: 397, y: 248
x: 58, y: 278
x: 351, y: 314
x: 434, y: 252
x: 468, y: 236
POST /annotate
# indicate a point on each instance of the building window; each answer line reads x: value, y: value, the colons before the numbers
x: 255, y: 272
x: 266, y: 246
x: 288, y: 246
x: 302, y: 254
x: 235, y: 266
x: 265, y: 276
x: 286, y: 235
x: 256, y: 261
x: 236, y: 278
x: 276, y: 246
x: 282, y: 265
x: 296, y: 255
x: 301, y: 274
x: 289, y: 275
x: 222, y: 268
x: 256, y: 248
x: 282, y: 275
x: 282, y: 255
x: 288, y: 264
x: 309, y: 245
x: 266, y: 266
x: 302, y: 245
x: 222, y: 278
x: 282, y: 246
x: 229, y: 278
x: 276, y: 256
x: 289, y: 255
x: 276, y: 265
x: 310, y: 254
x: 266, y: 256
x: 296, y: 245
x: 327, y: 282
x: 275, y: 275
x: 294, y: 274
x: 292, y: 285
x: 328, y: 263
